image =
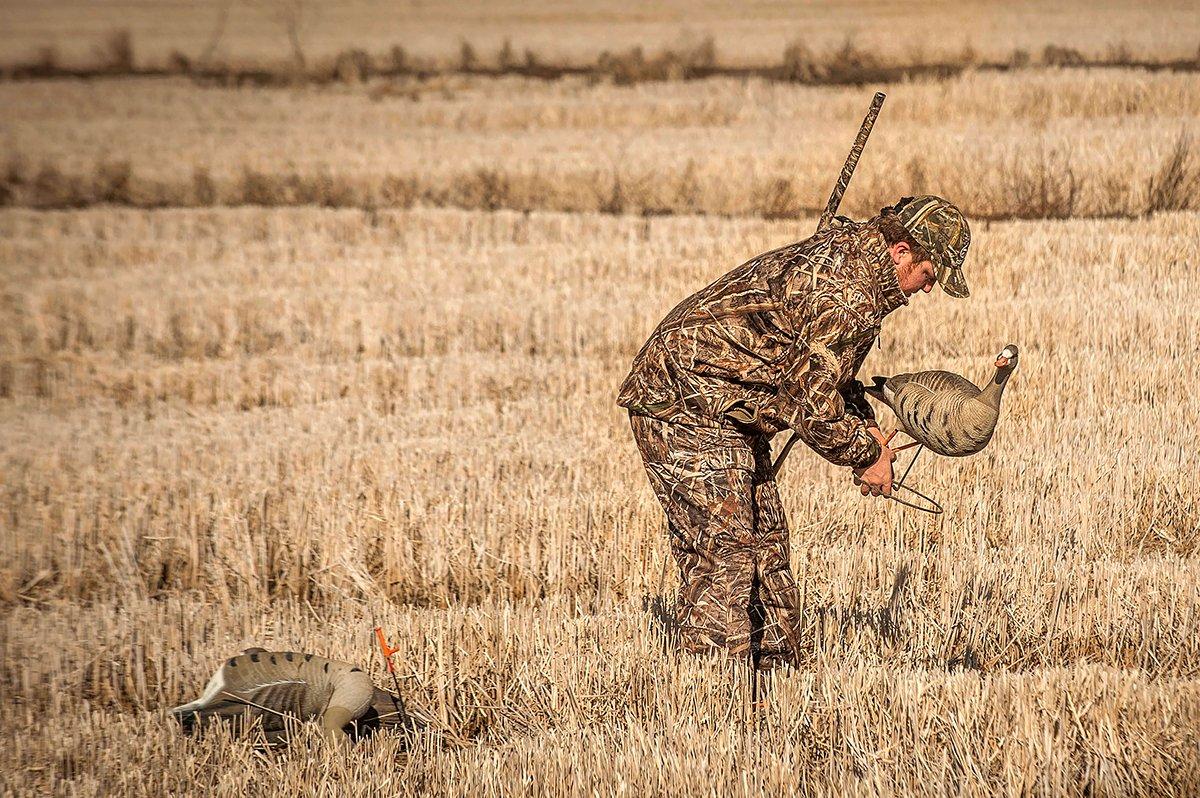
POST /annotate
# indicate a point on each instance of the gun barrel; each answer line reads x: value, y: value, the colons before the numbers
x: 831, y: 207
x: 843, y: 181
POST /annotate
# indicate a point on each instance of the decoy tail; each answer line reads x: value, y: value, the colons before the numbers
x: 192, y: 719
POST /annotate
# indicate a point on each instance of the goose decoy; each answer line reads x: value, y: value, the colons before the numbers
x: 943, y: 411
x: 276, y: 685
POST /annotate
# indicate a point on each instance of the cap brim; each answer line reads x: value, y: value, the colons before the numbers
x: 952, y: 281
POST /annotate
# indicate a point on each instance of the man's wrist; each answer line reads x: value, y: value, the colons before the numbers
x: 870, y: 453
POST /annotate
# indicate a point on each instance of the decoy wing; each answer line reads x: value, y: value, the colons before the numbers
x: 938, y: 409
x: 939, y: 381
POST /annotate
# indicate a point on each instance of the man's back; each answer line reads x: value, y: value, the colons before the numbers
x: 742, y: 340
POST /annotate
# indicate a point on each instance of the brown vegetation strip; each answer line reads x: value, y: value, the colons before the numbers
x: 847, y: 65
x: 1044, y: 188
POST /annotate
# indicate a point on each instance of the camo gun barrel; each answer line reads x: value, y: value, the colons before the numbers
x: 843, y: 181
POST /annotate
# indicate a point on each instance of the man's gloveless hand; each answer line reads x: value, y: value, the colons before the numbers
x: 876, y: 479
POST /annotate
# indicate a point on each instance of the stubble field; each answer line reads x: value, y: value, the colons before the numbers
x: 227, y: 423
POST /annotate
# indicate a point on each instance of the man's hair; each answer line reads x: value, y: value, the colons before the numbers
x: 894, y: 232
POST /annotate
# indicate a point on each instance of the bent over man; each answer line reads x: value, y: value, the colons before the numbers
x: 774, y: 344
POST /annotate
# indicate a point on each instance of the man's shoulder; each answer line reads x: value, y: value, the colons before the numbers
x: 832, y: 257
x: 837, y: 235
x: 825, y: 262
x: 841, y: 278
x: 779, y: 270
x: 850, y: 304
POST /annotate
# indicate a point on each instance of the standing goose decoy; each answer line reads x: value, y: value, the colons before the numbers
x: 276, y: 685
x: 943, y: 411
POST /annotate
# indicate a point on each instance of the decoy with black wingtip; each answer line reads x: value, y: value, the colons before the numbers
x: 946, y: 412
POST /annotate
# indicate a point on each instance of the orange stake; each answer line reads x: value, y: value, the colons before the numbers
x: 386, y: 650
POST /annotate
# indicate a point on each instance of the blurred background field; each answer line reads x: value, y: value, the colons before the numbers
x: 574, y: 32
x: 281, y: 362
x: 1053, y: 143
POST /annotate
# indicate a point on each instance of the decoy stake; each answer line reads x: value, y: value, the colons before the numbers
x: 387, y: 653
x: 933, y: 508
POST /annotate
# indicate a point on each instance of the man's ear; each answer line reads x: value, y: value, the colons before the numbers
x: 899, y: 250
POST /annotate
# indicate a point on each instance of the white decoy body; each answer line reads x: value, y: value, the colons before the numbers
x: 944, y: 411
x: 274, y: 685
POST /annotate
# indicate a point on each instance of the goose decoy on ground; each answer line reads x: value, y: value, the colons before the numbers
x: 274, y: 686
x: 946, y: 412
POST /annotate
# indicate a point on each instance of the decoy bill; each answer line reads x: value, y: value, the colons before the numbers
x: 275, y: 686
x: 944, y: 411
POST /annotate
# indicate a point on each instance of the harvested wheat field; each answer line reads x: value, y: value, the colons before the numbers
x: 281, y: 363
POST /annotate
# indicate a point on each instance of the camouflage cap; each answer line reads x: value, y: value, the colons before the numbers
x: 941, y: 229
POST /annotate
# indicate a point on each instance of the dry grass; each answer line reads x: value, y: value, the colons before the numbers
x: 225, y: 427
x: 279, y: 365
x: 569, y: 700
x: 1045, y: 144
x: 1177, y: 180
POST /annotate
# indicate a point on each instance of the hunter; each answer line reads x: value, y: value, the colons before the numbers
x: 771, y: 345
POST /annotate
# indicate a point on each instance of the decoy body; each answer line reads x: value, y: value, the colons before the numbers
x: 946, y: 412
x: 273, y: 686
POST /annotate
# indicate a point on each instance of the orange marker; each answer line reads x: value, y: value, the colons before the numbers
x: 387, y: 652
x: 386, y: 649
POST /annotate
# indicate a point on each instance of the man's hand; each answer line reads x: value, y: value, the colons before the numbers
x: 876, y: 479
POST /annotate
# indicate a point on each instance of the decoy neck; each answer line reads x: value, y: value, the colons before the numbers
x: 876, y: 391
x: 1006, y: 363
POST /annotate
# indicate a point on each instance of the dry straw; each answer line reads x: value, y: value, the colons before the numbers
x: 339, y: 405
x: 271, y: 426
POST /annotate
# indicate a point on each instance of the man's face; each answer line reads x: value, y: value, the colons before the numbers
x: 913, y: 276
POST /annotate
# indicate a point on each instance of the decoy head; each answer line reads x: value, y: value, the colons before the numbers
x: 384, y: 711
x: 1007, y: 359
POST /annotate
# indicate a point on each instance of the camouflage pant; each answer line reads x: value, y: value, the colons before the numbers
x: 728, y: 536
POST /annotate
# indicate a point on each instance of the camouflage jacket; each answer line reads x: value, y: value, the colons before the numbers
x: 779, y: 339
